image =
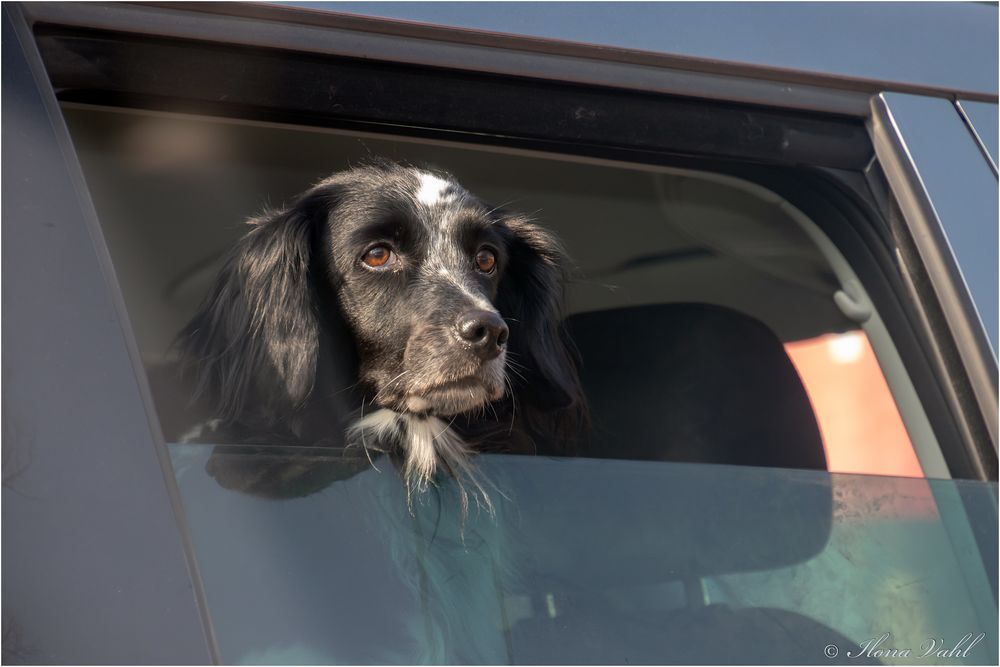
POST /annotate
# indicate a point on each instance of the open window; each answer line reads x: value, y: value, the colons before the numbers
x: 733, y: 262
x: 639, y: 236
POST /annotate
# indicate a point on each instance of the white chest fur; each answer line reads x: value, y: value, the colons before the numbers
x: 429, y: 446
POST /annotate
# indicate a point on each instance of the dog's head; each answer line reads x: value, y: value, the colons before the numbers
x: 452, y: 303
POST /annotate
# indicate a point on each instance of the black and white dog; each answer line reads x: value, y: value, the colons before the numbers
x: 451, y: 310
x: 452, y: 306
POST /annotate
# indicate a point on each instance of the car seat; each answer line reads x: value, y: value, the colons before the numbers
x: 691, y: 384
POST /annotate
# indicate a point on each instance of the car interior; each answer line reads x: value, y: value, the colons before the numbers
x: 723, y: 392
x: 173, y: 191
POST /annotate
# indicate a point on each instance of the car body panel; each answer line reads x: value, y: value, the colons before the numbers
x: 962, y: 190
x: 872, y: 40
x: 95, y: 569
x: 918, y: 182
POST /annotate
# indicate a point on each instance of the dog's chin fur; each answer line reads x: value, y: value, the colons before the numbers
x: 458, y: 397
x: 419, y: 428
x: 427, y: 444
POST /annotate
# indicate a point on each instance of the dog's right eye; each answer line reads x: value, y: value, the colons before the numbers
x: 379, y: 257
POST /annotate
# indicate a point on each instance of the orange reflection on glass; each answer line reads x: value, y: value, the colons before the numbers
x: 861, y: 427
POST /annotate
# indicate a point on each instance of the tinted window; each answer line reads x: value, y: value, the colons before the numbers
x: 587, y: 561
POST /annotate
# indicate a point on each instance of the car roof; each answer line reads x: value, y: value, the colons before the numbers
x: 945, y: 45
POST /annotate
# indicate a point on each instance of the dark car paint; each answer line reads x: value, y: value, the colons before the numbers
x: 886, y: 41
x: 94, y: 560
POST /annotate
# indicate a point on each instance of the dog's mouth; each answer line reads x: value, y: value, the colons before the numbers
x: 454, y: 396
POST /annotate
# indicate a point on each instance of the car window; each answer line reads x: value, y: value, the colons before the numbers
x: 635, y: 236
x: 760, y: 464
x: 585, y: 561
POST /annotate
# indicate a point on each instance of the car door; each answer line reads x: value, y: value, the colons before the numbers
x: 881, y: 172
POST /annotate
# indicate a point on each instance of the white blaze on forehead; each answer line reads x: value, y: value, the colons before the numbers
x: 432, y: 189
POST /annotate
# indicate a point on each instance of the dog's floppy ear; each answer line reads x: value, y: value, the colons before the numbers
x: 253, y: 345
x: 530, y: 299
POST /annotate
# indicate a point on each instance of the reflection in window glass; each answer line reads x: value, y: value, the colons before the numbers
x: 584, y: 561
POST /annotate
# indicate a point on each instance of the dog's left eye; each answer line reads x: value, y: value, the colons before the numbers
x: 379, y: 257
x: 486, y: 260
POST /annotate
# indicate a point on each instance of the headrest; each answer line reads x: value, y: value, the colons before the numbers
x: 713, y: 390
x: 693, y: 383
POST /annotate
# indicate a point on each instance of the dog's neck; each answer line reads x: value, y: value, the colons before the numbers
x: 428, y: 444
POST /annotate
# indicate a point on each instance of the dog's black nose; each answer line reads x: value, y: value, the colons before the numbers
x: 485, y: 331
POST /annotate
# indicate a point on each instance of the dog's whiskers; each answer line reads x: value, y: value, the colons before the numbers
x: 513, y: 404
x: 513, y: 369
x: 337, y: 392
x: 493, y: 409
x: 364, y: 445
x: 388, y: 385
x: 500, y: 206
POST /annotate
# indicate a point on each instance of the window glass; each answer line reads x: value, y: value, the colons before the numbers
x: 585, y: 561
